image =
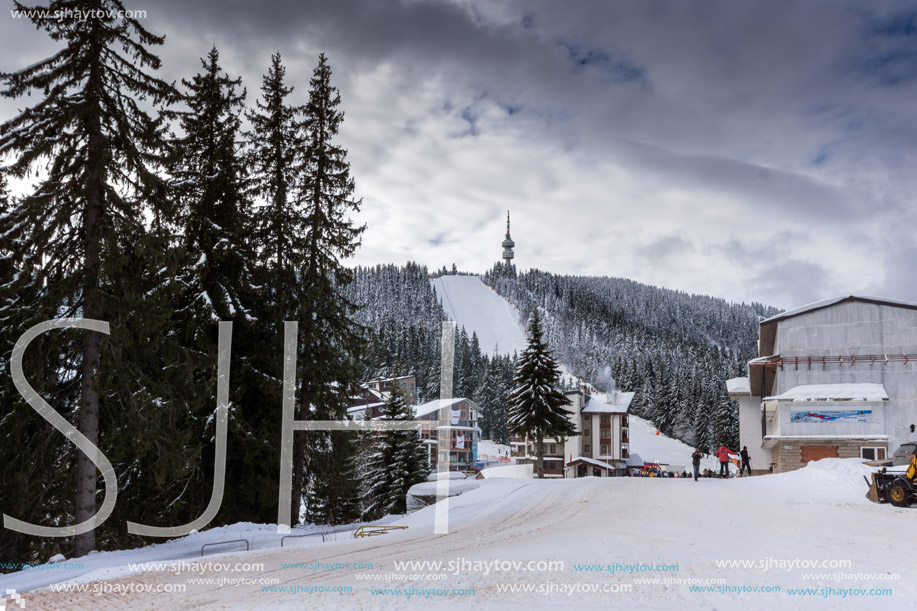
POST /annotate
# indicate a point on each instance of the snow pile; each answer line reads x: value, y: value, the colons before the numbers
x: 840, y: 476
x: 475, y: 306
x: 114, y: 564
x: 425, y: 493
x: 509, y: 471
x: 448, y: 475
x: 738, y: 386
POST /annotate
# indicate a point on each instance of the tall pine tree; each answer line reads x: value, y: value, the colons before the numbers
x: 212, y: 209
x: 396, y: 461
x: 536, y: 405
x: 275, y: 145
x: 96, y: 144
x: 330, y: 341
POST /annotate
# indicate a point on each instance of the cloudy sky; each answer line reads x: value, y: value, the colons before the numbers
x: 757, y: 151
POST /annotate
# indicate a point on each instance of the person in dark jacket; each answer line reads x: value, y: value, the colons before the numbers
x: 695, y: 460
x: 746, y: 461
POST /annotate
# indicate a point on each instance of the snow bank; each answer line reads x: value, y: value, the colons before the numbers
x: 509, y: 471
x: 449, y: 475
x: 114, y: 564
x: 848, y: 472
x: 425, y: 493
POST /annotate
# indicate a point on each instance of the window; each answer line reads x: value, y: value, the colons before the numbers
x: 606, y: 433
x: 587, y: 449
x: 624, y: 453
x: 872, y: 453
x: 606, y: 419
x: 553, y: 449
x: 587, y: 433
x: 604, y: 450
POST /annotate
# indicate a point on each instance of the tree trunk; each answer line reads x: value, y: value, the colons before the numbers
x: 299, y: 459
x: 86, y: 475
x: 539, y: 455
x: 299, y: 455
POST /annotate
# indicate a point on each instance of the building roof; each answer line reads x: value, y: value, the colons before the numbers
x: 825, y: 303
x: 833, y: 392
x: 364, y: 407
x: 612, y: 403
x: 395, y: 379
x: 438, y: 404
x: 592, y: 461
x: 738, y: 386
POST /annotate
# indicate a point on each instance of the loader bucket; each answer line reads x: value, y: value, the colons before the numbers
x: 873, y: 493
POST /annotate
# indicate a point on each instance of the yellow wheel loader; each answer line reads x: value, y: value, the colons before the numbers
x: 899, y: 489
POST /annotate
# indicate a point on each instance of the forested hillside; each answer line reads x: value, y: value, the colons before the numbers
x: 403, y: 318
x: 674, y: 349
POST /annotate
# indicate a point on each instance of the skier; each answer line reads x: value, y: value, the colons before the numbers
x: 695, y: 460
x: 746, y: 461
x: 723, y: 455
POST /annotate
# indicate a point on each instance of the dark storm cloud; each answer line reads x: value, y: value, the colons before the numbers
x: 737, y: 148
x: 793, y: 282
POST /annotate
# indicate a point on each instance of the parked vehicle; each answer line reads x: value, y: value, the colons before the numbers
x: 902, y: 455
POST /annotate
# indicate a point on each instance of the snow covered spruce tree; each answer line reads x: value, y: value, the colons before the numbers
x: 536, y: 404
x: 211, y: 206
x: 726, y: 423
x: 396, y: 461
x: 330, y: 341
x: 274, y: 148
x: 209, y: 217
x: 95, y: 145
x: 275, y: 145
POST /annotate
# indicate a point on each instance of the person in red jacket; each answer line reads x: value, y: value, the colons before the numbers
x: 723, y: 455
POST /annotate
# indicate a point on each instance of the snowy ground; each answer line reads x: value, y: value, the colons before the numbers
x: 475, y: 306
x: 649, y: 543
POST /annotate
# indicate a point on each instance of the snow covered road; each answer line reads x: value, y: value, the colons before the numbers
x: 641, y: 543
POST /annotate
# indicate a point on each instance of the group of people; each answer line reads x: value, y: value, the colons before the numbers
x: 723, y: 454
x: 656, y: 472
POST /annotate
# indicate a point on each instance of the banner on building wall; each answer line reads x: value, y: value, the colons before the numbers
x: 456, y: 415
x: 851, y: 415
x: 460, y: 442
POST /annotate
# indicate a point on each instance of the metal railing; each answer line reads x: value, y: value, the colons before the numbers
x: 374, y: 531
x: 245, y: 541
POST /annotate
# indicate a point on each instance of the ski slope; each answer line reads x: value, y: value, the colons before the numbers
x: 647, y: 446
x: 477, y: 307
x: 615, y: 543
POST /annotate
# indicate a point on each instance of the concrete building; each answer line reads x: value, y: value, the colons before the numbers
x: 459, y: 422
x: 373, y: 395
x: 408, y: 385
x: 601, y: 446
x: 837, y: 378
